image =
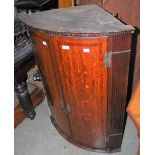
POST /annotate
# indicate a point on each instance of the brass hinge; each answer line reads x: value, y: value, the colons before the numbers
x: 108, y: 60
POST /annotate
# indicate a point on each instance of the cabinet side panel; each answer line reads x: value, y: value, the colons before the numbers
x: 119, y: 91
x: 117, y: 87
x: 118, y: 99
x: 121, y: 43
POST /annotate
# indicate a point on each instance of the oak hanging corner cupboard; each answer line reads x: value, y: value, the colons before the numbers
x: 83, y: 54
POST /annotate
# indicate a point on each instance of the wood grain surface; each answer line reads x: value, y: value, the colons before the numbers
x: 84, y: 79
x: 76, y: 78
x: 46, y: 61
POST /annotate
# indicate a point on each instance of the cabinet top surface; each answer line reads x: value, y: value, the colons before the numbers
x: 78, y: 19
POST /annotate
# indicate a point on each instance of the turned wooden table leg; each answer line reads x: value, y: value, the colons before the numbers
x: 25, y: 99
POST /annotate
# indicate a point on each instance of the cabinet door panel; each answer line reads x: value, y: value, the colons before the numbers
x: 46, y: 62
x: 84, y: 79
